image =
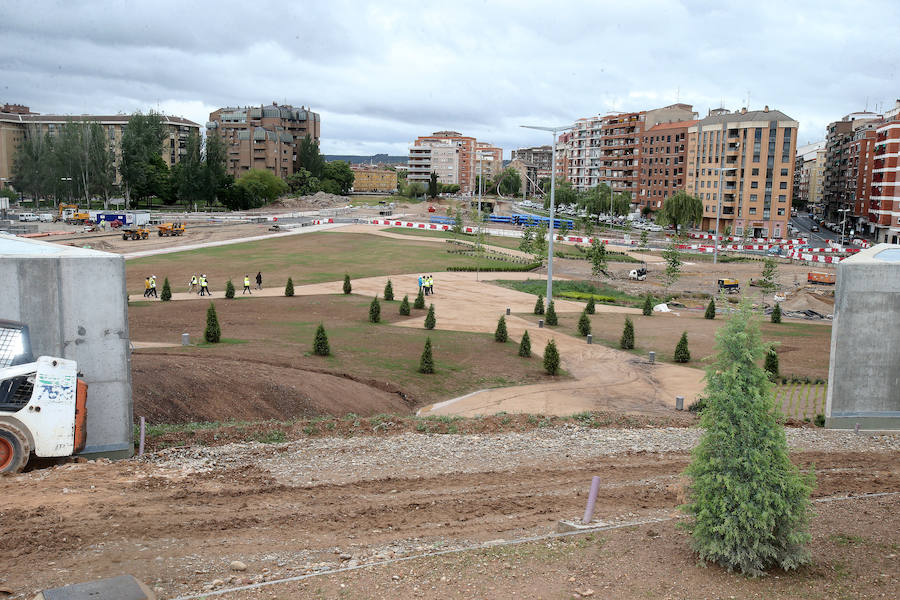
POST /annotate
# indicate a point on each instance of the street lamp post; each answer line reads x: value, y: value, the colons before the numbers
x: 843, y: 223
x: 554, y: 130
x: 69, y: 187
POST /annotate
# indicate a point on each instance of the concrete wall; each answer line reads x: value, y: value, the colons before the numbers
x: 75, y: 305
x: 864, y: 374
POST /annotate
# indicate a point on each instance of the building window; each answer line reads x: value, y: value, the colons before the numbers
x: 784, y: 172
x: 782, y: 198
x: 754, y: 184
x: 780, y: 212
x: 782, y: 185
x: 752, y: 210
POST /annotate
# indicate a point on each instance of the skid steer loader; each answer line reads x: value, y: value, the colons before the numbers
x: 42, y: 402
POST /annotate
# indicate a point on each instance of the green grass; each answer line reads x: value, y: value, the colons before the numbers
x: 801, y: 400
x: 564, y: 286
x: 221, y: 341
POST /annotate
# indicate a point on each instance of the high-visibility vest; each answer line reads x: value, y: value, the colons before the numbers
x: 246, y: 282
x: 194, y: 280
x: 203, y: 281
x: 152, y: 283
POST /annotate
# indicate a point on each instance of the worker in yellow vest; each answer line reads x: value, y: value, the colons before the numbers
x: 193, y: 283
x: 204, y: 286
x: 146, y: 287
x: 246, y: 285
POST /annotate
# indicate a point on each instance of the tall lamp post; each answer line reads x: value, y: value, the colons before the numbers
x: 843, y: 223
x: 554, y: 130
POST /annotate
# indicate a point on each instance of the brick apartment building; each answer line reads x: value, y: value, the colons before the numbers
x: 539, y: 156
x: 847, y: 147
x: 17, y: 121
x: 373, y: 179
x: 809, y: 169
x: 662, y: 163
x: 884, y: 200
x: 455, y: 159
x: 263, y: 137
x: 752, y: 154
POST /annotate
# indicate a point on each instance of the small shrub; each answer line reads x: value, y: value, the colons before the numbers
x: 776, y: 313
x: 698, y: 406
x: 166, y: 294
x: 213, y: 332
x: 627, y: 340
x: 430, y: 320
x: 539, y: 305
x: 347, y: 287
x: 375, y: 310
x: 648, y: 306
x: 551, y: 317
x: 404, y: 306
x: 591, y: 308
x: 426, y: 363
x: 682, y: 354
x: 551, y: 358
x: 420, y: 300
x: 500, y: 335
x: 710, y: 309
x: 289, y: 288
x: 388, y: 290
x: 771, y: 365
x: 820, y: 420
x: 320, y: 343
x: 584, y: 324
x: 525, y: 346
x: 229, y: 289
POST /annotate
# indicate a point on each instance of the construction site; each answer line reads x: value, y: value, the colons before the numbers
x: 253, y: 467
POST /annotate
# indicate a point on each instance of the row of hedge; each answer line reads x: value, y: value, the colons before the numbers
x: 510, y: 268
x: 587, y: 296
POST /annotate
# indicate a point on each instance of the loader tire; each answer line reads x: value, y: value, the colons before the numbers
x: 14, y: 449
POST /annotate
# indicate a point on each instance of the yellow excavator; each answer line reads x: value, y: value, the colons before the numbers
x: 71, y: 215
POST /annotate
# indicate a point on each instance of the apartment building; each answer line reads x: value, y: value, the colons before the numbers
x: 845, y: 140
x: 809, y: 169
x: 454, y: 157
x: 662, y: 163
x: 20, y: 121
x: 441, y: 157
x: 884, y: 200
x: 263, y: 137
x: 539, y: 156
x: 563, y: 154
x: 750, y: 154
x: 528, y: 174
x: 372, y: 179
x: 488, y: 159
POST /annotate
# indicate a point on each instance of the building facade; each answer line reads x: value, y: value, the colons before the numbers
x: 662, y: 163
x: 842, y: 161
x: 744, y: 161
x: 373, y: 180
x: 263, y: 137
x: 433, y: 156
x: 809, y: 167
x: 884, y: 199
x: 454, y: 157
x: 528, y: 174
x: 15, y: 125
x: 490, y: 158
x: 540, y: 157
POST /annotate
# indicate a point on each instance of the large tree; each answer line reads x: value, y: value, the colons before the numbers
x: 215, y: 178
x: 309, y: 157
x: 509, y: 182
x: 188, y: 178
x: 433, y: 185
x: 142, y: 139
x: 340, y: 173
x: 679, y: 210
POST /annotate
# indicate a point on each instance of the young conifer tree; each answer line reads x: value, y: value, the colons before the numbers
x: 591, y: 307
x: 710, y: 309
x: 525, y: 346
x: 289, y: 288
x: 551, y: 358
x: 648, y: 306
x: 626, y: 342
x: 539, y: 305
x: 426, y: 362
x: 682, y: 354
x: 430, y: 320
x: 375, y: 310
x: 584, y: 324
x: 500, y: 334
x: 388, y: 290
x: 551, y: 317
x: 404, y: 306
x: 347, y: 286
x: 320, y: 343
x: 213, y: 332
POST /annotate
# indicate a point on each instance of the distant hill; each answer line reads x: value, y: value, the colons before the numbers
x: 355, y: 159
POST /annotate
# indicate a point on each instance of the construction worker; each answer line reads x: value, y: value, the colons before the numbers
x: 246, y: 285
x: 430, y: 284
x: 420, y: 282
x: 193, y: 283
x: 146, y: 287
x: 259, y: 280
x: 153, y: 286
x: 204, y: 286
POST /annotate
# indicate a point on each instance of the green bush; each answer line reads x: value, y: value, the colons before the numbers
x: 320, y: 343
x: 551, y: 358
x: 375, y: 310
x: 347, y: 287
x: 627, y: 340
x: 289, y: 288
x: 500, y: 335
x: 166, y: 294
x: 213, y: 332
x: 551, y: 317
x: 539, y: 305
x: 584, y: 324
x: 588, y: 297
x: 682, y: 354
x: 648, y: 306
x: 819, y: 420
x: 748, y: 503
x: 771, y: 364
x: 511, y: 268
x: 404, y: 306
x: 776, y: 313
x: 430, y: 320
x: 229, y: 289
x: 426, y: 362
x: 525, y: 345
x: 420, y: 300
x: 710, y: 309
x: 388, y: 290
x: 590, y: 308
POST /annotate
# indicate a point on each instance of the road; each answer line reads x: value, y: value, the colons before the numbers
x: 816, y: 239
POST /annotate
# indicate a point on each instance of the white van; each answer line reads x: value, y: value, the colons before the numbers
x: 46, y: 217
x: 28, y: 217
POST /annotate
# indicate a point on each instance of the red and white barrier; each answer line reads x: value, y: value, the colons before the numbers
x: 322, y: 221
x: 775, y: 241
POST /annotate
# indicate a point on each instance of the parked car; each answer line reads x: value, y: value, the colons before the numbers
x: 29, y: 217
x: 45, y: 217
x: 814, y: 228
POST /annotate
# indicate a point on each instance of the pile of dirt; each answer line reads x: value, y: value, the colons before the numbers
x: 315, y: 201
x: 804, y: 300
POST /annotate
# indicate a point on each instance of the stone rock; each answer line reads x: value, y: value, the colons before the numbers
x: 237, y: 565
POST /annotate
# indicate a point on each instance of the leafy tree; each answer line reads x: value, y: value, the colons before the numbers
x: 510, y: 182
x: 539, y: 247
x: 627, y: 340
x: 458, y: 222
x: 426, y: 362
x: 229, y: 289
x: 404, y: 306
x: 551, y: 318
x: 749, y: 505
x: 587, y: 225
x: 598, y: 257
x: 433, y: 190
x: 596, y: 200
x: 141, y: 144
x: 430, y: 320
x: 584, y: 324
x: 262, y: 185
x: 187, y: 177
x: 526, y: 244
x: 302, y: 183
x: 388, y: 290
x: 539, y: 305
x: 166, y: 294
x: 213, y: 332
x: 375, y: 310
x: 771, y: 364
x: 34, y: 170
x: 215, y: 178
x: 682, y: 354
x: 525, y: 346
x: 309, y: 157
x: 289, y: 288
x: 551, y: 358
x: 563, y: 230
x: 673, y: 264
x: 647, y: 310
x: 769, y: 278
x: 591, y: 307
x: 680, y: 209
x: 420, y: 300
x: 710, y: 309
x: 500, y: 334
x: 320, y: 343
x: 776, y: 313
x: 339, y: 172
x: 565, y: 194
x: 347, y: 286
x: 644, y: 238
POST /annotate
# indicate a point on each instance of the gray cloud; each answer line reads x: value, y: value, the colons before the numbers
x: 383, y: 73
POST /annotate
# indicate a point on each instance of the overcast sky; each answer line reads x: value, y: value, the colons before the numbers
x: 382, y: 73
